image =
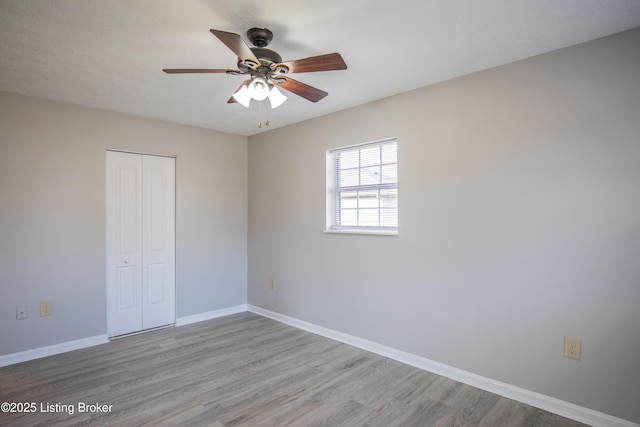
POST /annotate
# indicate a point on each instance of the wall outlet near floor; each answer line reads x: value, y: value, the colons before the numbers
x: 21, y: 312
x: 45, y: 308
x: 272, y: 283
x: 572, y: 348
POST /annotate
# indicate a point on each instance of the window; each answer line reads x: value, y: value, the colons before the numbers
x: 362, y: 188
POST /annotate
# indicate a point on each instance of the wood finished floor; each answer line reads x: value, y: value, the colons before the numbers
x: 247, y: 370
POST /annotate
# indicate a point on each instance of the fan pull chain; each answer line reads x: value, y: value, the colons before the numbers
x: 267, y: 122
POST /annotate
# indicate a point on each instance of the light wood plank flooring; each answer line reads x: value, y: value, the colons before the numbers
x: 247, y: 370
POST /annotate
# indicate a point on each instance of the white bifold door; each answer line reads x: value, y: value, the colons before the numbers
x: 140, y: 242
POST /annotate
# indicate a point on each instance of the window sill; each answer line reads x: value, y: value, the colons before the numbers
x: 356, y: 231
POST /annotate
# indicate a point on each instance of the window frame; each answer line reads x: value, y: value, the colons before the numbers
x: 333, y: 207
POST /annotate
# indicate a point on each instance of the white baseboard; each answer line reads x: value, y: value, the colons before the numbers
x: 200, y: 317
x: 556, y: 406
x: 37, y: 353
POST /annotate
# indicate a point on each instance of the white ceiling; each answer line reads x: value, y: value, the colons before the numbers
x: 109, y: 54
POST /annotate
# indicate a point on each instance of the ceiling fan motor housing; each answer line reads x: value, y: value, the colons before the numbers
x: 260, y: 37
x: 268, y: 54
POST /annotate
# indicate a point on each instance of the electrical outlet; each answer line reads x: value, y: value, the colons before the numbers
x: 21, y: 312
x: 572, y: 348
x: 272, y: 283
x: 45, y: 308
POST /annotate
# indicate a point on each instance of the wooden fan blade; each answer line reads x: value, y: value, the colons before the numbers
x: 232, y: 99
x: 236, y: 44
x: 198, y: 70
x: 304, y: 90
x: 328, y: 62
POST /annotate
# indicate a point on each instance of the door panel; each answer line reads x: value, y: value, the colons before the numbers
x: 156, y: 283
x: 155, y: 198
x: 127, y: 289
x: 127, y: 198
x: 127, y: 314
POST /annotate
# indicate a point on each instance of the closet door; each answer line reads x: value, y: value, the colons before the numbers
x: 158, y: 242
x: 140, y: 242
x: 124, y: 243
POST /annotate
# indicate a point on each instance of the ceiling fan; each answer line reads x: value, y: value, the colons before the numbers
x: 266, y: 70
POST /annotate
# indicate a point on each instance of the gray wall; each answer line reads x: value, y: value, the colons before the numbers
x: 52, y: 216
x: 519, y: 222
x: 519, y: 194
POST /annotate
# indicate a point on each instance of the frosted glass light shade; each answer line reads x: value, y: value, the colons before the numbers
x: 242, y: 96
x: 276, y: 98
x: 258, y: 89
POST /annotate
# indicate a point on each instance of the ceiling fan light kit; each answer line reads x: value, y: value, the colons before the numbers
x: 266, y: 70
x: 259, y: 90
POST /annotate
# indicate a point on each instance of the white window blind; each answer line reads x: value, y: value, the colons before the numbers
x: 363, y: 187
